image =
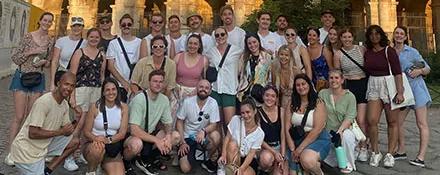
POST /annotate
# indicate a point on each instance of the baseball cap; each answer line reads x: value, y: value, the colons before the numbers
x: 76, y: 20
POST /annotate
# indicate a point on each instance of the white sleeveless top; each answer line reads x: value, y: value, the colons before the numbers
x: 114, y: 116
x: 297, y: 58
x: 297, y: 119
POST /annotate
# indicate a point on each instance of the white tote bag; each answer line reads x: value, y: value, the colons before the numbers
x: 392, y: 91
x: 358, y: 134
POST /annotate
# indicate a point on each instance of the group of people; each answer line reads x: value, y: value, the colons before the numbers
x: 231, y: 100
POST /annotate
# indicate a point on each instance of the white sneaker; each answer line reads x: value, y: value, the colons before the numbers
x: 8, y: 160
x: 90, y: 173
x: 363, y: 155
x: 221, y: 169
x: 375, y: 159
x: 70, y: 165
x: 388, y: 161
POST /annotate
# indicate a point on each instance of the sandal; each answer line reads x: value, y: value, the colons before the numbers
x: 157, y: 164
x: 347, y: 170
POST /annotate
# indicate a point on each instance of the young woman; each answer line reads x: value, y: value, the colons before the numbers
x: 243, y: 139
x: 254, y: 68
x: 271, y: 116
x: 32, y: 55
x: 341, y: 112
x: 409, y: 58
x: 356, y: 79
x: 65, y: 48
x: 283, y: 72
x: 104, y: 144
x: 321, y: 58
x: 315, y: 144
x: 333, y: 43
x: 224, y: 90
x: 377, y: 57
x: 300, y: 54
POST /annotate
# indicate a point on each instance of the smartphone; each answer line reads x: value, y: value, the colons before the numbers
x: 74, y: 122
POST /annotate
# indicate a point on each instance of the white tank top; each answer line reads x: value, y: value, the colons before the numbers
x: 297, y: 119
x: 114, y: 116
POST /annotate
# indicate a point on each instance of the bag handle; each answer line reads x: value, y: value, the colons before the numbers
x: 304, y: 119
x: 146, y: 110
x: 386, y: 56
x: 126, y: 56
x: 354, y: 61
x: 224, y: 56
x: 76, y: 48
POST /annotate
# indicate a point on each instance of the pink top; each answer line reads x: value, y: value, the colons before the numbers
x: 189, y: 76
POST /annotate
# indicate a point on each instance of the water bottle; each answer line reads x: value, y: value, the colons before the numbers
x: 341, y: 157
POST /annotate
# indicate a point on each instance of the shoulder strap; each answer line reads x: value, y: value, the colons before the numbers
x: 162, y: 67
x: 146, y: 110
x: 264, y: 115
x: 388, y: 60
x: 104, y: 119
x: 304, y: 119
x: 224, y: 56
x: 76, y: 48
x: 125, y: 56
x: 354, y: 61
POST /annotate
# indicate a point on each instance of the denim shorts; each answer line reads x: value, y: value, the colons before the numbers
x: 17, y: 86
x: 321, y: 145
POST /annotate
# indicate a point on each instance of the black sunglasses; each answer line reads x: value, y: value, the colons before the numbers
x: 157, y: 22
x: 290, y: 34
x: 219, y: 34
x: 126, y: 25
x: 104, y: 22
x: 200, y: 116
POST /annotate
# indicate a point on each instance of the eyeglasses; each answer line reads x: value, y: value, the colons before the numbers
x: 290, y: 34
x: 104, y: 22
x: 126, y: 25
x: 200, y: 116
x: 158, y: 46
x: 78, y: 19
x: 219, y: 34
x: 157, y: 22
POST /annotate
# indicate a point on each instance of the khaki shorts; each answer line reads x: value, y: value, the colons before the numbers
x: 86, y: 95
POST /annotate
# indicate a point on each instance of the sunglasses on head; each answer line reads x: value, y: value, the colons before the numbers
x: 126, y: 25
x: 200, y: 116
x: 219, y: 34
x: 290, y: 34
x: 157, y: 22
x: 158, y: 46
x: 104, y: 21
x: 79, y: 19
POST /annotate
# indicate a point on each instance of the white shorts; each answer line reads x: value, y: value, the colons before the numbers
x: 86, y: 95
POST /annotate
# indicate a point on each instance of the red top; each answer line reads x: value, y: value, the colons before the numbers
x: 377, y: 65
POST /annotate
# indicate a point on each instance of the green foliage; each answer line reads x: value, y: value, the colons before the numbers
x: 434, y: 62
x: 301, y: 13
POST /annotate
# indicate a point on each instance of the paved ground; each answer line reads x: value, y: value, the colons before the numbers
x: 401, y: 167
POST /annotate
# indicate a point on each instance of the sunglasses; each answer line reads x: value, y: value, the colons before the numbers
x: 104, y: 22
x: 79, y: 19
x: 158, y: 46
x: 126, y: 25
x: 157, y: 22
x: 219, y: 34
x: 290, y: 34
x: 200, y: 116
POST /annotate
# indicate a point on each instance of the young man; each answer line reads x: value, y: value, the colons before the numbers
x: 175, y: 35
x: 105, y: 26
x: 117, y: 62
x: 269, y: 40
x: 197, y: 125
x: 148, y: 139
x: 327, y: 20
x: 194, y: 22
x: 236, y: 34
x: 157, y: 23
x: 282, y: 23
x: 47, y: 131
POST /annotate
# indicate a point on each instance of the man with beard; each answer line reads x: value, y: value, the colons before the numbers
x: 194, y: 23
x: 282, y: 23
x: 235, y: 34
x: 157, y: 23
x: 149, y: 140
x: 197, y: 125
x: 269, y: 40
x: 123, y: 54
x: 327, y: 20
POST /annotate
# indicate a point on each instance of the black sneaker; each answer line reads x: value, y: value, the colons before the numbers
x: 261, y: 172
x: 129, y: 171
x: 417, y: 162
x: 209, y: 166
x: 147, y: 168
x: 398, y: 156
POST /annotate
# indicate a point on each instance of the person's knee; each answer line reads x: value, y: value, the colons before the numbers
x: 266, y: 159
x: 96, y: 152
x: 175, y: 137
x: 185, y: 166
x: 74, y: 143
x: 133, y: 145
x: 309, y: 160
x: 214, y: 138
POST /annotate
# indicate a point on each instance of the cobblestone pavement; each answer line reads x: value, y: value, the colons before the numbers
x: 401, y: 167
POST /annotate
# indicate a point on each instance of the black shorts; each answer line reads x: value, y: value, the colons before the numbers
x: 253, y: 164
x: 358, y: 88
x: 147, y: 148
x: 191, y: 155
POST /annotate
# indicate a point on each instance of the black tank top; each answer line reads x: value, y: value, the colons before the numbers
x: 271, y: 130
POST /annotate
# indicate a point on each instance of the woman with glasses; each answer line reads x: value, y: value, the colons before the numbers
x: 271, y: 114
x: 105, y: 128
x: 32, y: 55
x: 224, y: 89
x: 255, y: 68
x: 321, y: 59
x: 65, y: 47
x: 300, y: 54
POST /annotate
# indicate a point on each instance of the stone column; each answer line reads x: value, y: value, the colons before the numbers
x: 436, y: 22
x: 133, y: 7
x: 374, y: 12
x: 87, y: 9
x: 388, y: 16
x: 243, y: 8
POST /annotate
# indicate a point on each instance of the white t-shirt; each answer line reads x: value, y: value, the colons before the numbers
x: 251, y: 141
x: 235, y: 37
x: 271, y: 41
x: 322, y: 35
x: 67, y: 46
x: 207, y: 41
x: 148, y: 39
x: 189, y: 112
x: 114, y: 51
x: 177, y: 41
x: 227, y: 79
